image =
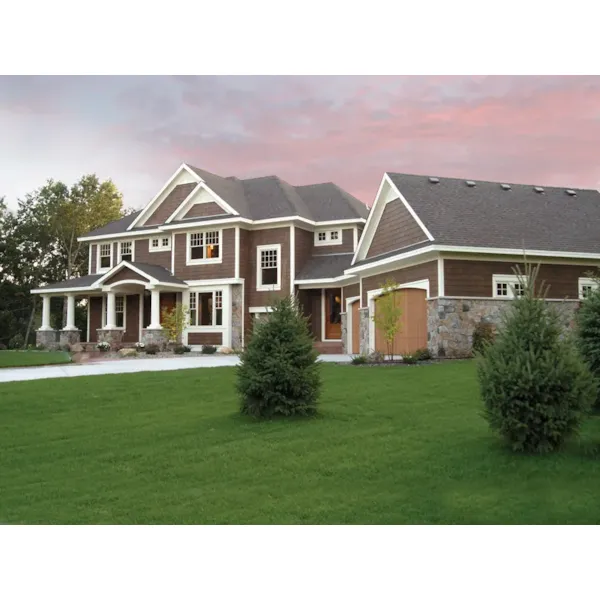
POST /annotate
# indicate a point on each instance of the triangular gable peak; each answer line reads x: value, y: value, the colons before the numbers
x: 392, y: 224
x: 182, y: 183
x: 202, y: 202
x: 124, y: 271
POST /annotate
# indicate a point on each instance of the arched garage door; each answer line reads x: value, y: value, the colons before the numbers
x: 413, y: 329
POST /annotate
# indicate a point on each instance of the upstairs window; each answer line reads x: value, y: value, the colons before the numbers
x: 332, y: 237
x: 204, y: 246
x: 126, y: 251
x: 507, y: 286
x: 105, y: 256
x: 206, y: 309
x: 586, y: 285
x: 160, y: 244
x: 268, y: 275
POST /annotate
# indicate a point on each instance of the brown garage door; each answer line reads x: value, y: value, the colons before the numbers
x: 413, y: 330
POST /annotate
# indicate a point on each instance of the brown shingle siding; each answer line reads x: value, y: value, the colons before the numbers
x: 126, y: 274
x: 143, y: 254
x: 397, y: 229
x: 93, y: 250
x: 304, y: 245
x: 170, y: 203
x: 426, y: 270
x: 474, y: 278
x: 350, y: 291
x: 221, y: 270
x: 208, y: 338
x: 205, y: 209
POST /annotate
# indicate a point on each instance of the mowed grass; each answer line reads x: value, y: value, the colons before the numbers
x: 391, y: 446
x: 32, y: 358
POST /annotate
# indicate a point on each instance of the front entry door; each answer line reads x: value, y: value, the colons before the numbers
x: 333, y: 314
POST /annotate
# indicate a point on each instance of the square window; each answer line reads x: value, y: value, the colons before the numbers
x: 155, y: 243
x: 502, y: 289
x: 322, y: 236
x: 334, y: 235
x: 165, y: 242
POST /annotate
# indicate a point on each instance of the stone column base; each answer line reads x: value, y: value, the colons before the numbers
x: 47, y: 338
x: 345, y: 333
x: 113, y: 336
x: 155, y: 336
x: 70, y: 338
x: 364, y: 322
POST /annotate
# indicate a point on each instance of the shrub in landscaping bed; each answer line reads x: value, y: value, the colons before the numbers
x: 422, y: 354
x: 535, y: 386
x: 359, y: 359
x: 209, y: 349
x: 483, y: 336
x: 140, y: 346
x: 16, y: 342
x: 588, y: 334
x: 409, y: 359
x: 179, y: 349
x: 279, y: 373
x: 103, y: 346
x: 151, y: 348
x: 187, y: 348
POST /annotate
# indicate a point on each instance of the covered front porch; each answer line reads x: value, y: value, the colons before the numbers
x: 124, y: 306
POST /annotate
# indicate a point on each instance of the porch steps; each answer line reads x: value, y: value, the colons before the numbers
x: 329, y: 347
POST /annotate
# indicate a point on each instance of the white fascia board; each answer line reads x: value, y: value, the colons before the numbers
x: 114, y: 236
x: 61, y: 291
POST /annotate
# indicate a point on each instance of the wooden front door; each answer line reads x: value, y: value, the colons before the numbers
x: 355, y: 327
x: 168, y: 300
x: 333, y: 314
x: 413, y: 323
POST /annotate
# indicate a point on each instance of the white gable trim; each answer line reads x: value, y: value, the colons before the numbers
x: 153, y: 204
x: 120, y: 266
x: 192, y: 201
x: 388, y: 192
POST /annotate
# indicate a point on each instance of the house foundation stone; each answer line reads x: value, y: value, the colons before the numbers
x: 70, y: 338
x: 363, y: 330
x: 47, y: 338
x: 451, y: 322
x: 113, y: 336
x: 237, y: 316
x: 345, y: 349
x: 155, y: 336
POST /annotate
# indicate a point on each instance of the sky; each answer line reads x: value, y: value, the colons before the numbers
x: 350, y: 129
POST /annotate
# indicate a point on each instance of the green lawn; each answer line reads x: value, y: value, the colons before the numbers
x: 392, y: 445
x: 32, y: 358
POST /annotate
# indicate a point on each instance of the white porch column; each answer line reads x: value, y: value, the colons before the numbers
x: 45, y: 314
x: 155, y: 310
x: 110, y: 311
x: 70, y: 313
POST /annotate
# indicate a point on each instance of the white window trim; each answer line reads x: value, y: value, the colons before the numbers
x: 112, y: 250
x: 328, y: 241
x: 160, y: 248
x: 213, y: 326
x: 270, y: 287
x: 585, y: 281
x: 121, y: 242
x: 511, y: 280
x: 203, y: 261
x: 124, y: 312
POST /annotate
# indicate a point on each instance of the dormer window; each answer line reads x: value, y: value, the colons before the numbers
x: 160, y: 244
x: 332, y: 237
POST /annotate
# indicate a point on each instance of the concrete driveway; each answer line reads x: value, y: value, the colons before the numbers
x: 137, y: 365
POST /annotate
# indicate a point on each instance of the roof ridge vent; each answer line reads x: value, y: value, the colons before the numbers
x: 434, y: 180
x: 470, y: 183
x: 538, y: 189
x: 571, y: 192
x: 505, y: 186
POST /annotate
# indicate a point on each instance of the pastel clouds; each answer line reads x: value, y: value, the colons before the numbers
x: 137, y: 130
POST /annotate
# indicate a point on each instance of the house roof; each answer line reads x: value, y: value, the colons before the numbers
x: 265, y: 198
x: 488, y: 215
x: 77, y: 282
x: 325, y: 266
x: 157, y: 272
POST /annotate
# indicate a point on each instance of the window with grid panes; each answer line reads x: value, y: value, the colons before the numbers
x: 126, y: 251
x: 206, y: 309
x: 120, y: 311
x: 269, y: 265
x: 104, y: 256
x: 204, y: 245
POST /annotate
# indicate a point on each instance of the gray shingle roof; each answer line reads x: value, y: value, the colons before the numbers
x: 325, y: 266
x: 77, y: 282
x: 487, y: 215
x: 267, y: 198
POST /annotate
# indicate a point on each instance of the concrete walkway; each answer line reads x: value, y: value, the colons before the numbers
x: 137, y: 365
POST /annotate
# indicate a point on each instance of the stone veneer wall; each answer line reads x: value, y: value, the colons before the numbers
x: 70, y: 338
x: 155, y: 336
x: 345, y: 333
x: 48, y: 339
x: 363, y: 333
x: 237, y: 316
x: 113, y: 336
x: 451, y: 322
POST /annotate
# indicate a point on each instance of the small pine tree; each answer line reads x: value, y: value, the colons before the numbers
x: 535, y: 386
x: 588, y: 334
x: 279, y: 373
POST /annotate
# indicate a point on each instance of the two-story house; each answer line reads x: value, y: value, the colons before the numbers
x: 223, y: 246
